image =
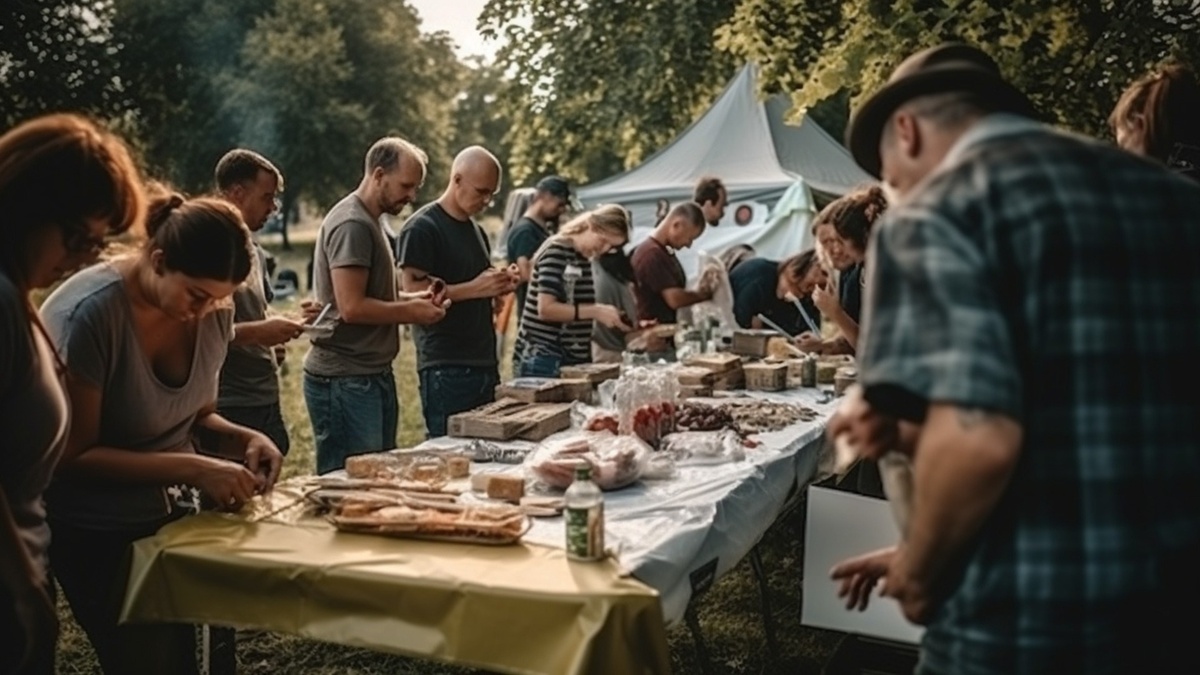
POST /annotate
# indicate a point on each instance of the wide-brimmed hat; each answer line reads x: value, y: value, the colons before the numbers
x: 951, y: 67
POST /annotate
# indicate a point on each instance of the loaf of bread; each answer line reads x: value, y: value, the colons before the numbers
x: 507, y: 487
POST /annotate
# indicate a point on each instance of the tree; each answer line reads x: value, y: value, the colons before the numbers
x: 1071, y: 58
x: 598, y: 86
x: 481, y: 119
x: 55, y: 56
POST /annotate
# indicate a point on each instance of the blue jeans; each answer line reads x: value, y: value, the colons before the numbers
x: 448, y: 390
x: 351, y: 415
x: 537, y: 361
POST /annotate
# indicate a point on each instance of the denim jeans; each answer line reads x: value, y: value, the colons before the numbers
x: 447, y: 390
x: 265, y: 418
x: 351, y: 415
x: 537, y: 361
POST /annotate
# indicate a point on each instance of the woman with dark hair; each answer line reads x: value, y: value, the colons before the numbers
x: 843, y: 229
x: 65, y: 185
x: 143, y: 338
x: 1158, y: 116
x: 765, y: 287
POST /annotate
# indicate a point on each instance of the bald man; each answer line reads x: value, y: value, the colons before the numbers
x: 456, y: 358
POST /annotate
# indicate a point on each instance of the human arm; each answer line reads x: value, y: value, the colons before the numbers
x: 252, y: 448
x: 350, y: 297
x: 831, y: 308
x: 267, y: 332
x: 553, y: 310
x: 418, y: 255
x: 678, y: 298
x: 23, y: 592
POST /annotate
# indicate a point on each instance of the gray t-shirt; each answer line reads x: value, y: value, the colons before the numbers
x: 610, y: 291
x: 350, y: 237
x: 33, y: 415
x: 90, y: 320
x: 249, y: 377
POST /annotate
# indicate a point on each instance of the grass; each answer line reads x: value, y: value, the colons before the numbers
x: 729, y: 612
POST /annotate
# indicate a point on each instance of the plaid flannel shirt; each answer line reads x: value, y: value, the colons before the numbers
x: 1005, y: 284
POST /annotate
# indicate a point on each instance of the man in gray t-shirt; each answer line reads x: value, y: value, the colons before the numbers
x: 348, y: 382
x: 249, y: 389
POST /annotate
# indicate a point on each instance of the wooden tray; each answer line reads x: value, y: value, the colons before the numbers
x: 595, y: 373
x: 507, y: 419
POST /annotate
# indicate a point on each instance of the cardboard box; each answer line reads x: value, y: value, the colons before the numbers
x: 730, y: 380
x: 694, y: 376
x: 766, y: 376
x: 578, y: 389
x: 751, y: 342
x: 507, y: 419
x: 717, y: 362
x: 595, y: 373
x: 531, y: 390
x: 695, y: 391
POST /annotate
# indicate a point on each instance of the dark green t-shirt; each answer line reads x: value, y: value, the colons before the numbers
x: 524, y: 239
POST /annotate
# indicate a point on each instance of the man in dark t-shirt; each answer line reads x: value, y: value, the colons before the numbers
x: 456, y: 358
x: 756, y: 287
x: 550, y: 200
x: 660, y: 280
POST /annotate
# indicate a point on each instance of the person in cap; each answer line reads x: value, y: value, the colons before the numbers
x: 1055, y: 522
x: 551, y: 198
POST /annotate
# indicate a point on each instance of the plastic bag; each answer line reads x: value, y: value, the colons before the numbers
x: 616, y: 461
x: 698, y: 448
x: 713, y: 275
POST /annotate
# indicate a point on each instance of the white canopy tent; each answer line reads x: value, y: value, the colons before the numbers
x: 770, y: 170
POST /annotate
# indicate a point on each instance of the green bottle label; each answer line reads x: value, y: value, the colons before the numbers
x: 585, y: 532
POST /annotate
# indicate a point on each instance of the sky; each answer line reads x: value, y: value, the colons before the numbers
x: 456, y: 17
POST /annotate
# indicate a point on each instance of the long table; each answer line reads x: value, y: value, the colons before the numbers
x: 518, y: 609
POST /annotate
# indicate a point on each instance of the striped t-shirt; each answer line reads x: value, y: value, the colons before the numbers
x: 560, y: 271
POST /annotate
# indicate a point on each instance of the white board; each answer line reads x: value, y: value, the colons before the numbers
x: 843, y: 525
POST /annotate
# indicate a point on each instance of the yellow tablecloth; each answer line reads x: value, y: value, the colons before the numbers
x: 518, y: 609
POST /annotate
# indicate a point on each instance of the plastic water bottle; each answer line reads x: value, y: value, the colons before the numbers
x: 584, y: 514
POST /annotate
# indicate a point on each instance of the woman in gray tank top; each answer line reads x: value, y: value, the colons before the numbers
x: 143, y: 338
x: 64, y: 186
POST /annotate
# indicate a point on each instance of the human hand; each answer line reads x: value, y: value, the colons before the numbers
x: 277, y: 330
x: 610, y: 316
x: 437, y: 291
x: 858, y: 576
x: 825, y: 300
x: 420, y: 309
x: 310, y: 310
x: 810, y: 342
x: 514, y: 272
x: 264, y: 459
x: 492, y: 282
x: 860, y: 428
x: 280, y: 353
x: 903, y: 585
x: 228, y: 484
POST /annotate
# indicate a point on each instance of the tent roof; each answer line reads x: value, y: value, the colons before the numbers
x: 746, y: 143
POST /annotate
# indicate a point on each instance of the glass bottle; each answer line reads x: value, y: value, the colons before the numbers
x: 584, y: 514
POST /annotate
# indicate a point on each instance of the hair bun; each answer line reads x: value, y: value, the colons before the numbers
x: 161, y: 208
x: 876, y: 203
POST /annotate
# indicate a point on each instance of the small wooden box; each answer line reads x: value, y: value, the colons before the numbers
x: 531, y: 390
x: 507, y: 419
x: 576, y: 389
x: 695, y: 391
x: 694, y: 376
x: 717, y: 363
x: 730, y: 380
x: 595, y: 373
x: 766, y: 376
x: 751, y: 342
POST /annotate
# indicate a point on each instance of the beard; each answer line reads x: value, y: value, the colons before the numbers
x: 394, y: 208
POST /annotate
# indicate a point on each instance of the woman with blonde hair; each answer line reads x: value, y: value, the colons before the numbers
x: 1158, y: 116
x: 143, y: 338
x: 65, y: 186
x: 556, y: 324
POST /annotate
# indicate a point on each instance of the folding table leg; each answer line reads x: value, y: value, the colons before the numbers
x: 764, y: 592
x: 693, y: 624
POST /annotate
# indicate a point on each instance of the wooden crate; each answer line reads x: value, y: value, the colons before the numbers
x: 751, y: 342
x: 577, y: 389
x: 730, y: 380
x: 507, y: 419
x: 695, y: 391
x: 694, y: 376
x: 766, y: 376
x: 531, y: 390
x: 717, y: 362
x: 595, y: 373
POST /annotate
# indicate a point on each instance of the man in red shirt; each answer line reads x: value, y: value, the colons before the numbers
x: 660, y: 281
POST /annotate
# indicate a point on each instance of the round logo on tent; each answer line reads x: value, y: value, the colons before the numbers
x: 743, y: 215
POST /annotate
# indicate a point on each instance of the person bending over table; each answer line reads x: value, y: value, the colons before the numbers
x: 143, y: 338
x: 762, y: 286
x: 843, y: 228
x: 556, y: 328
x: 64, y: 186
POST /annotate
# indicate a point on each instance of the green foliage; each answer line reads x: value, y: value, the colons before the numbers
x: 599, y: 86
x: 1072, y: 58
x: 64, y: 42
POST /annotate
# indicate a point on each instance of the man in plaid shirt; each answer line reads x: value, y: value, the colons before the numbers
x: 1055, y: 522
